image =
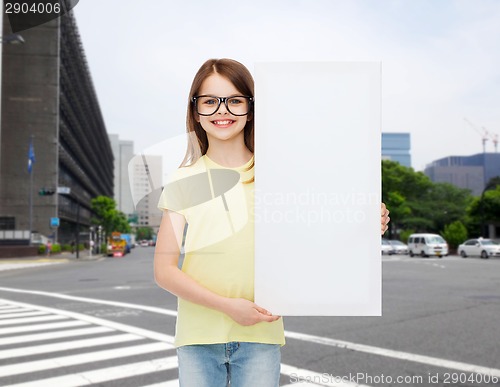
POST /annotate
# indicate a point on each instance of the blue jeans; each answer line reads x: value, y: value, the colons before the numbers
x: 235, y: 364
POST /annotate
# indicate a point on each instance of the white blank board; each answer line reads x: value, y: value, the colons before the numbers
x: 318, y: 188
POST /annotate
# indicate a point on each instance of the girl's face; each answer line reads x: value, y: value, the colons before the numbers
x: 221, y: 126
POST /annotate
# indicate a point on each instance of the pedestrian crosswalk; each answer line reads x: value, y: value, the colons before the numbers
x: 46, y: 347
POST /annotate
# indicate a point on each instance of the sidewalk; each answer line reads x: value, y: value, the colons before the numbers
x: 42, y: 260
x: 83, y: 256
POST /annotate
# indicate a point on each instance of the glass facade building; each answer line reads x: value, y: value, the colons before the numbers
x: 396, y: 147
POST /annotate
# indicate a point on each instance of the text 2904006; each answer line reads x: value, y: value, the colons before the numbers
x: 35, y: 8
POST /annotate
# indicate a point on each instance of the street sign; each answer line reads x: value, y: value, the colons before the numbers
x: 64, y: 190
x: 54, y: 222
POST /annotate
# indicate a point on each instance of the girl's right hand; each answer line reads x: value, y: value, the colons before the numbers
x: 247, y: 313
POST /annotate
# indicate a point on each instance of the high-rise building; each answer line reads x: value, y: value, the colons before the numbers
x: 144, y: 171
x: 396, y: 147
x: 123, y: 152
x: 470, y: 172
x: 48, y: 98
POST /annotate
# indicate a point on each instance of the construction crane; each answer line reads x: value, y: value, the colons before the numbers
x: 483, y: 132
x: 493, y: 137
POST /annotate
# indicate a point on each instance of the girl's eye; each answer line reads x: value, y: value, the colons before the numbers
x: 235, y: 101
x: 210, y: 101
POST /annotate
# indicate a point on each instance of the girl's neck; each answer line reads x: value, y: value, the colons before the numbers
x: 229, y: 154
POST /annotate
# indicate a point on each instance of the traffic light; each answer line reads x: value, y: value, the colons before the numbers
x: 46, y: 191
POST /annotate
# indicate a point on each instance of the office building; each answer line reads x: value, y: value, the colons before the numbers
x: 396, y: 147
x: 144, y: 171
x: 470, y: 172
x: 48, y: 98
x: 123, y: 152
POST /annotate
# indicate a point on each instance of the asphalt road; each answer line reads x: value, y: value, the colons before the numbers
x: 104, y: 322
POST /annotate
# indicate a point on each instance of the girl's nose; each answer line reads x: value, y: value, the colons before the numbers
x: 222, y: 108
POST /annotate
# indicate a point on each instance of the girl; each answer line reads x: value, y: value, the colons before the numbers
x: 222, y: 336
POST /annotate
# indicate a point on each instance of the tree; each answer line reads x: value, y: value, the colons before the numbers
x: 144, y: 233
x: 402, y: 189
x: 416, y: 203
x: 447, y: 204
x: 108, y: 216
x: 455, y: 233
x: 484, y: 209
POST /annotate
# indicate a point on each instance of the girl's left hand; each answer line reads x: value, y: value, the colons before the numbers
x: 384, y: 219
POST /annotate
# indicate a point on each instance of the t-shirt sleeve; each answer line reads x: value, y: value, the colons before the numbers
x: 172, y: 197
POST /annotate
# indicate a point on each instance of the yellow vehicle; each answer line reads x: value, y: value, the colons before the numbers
x: 117, y: 247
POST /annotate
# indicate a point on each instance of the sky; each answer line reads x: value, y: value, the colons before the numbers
x: 440, y: 60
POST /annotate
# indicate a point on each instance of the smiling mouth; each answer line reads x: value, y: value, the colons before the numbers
x: 222, y: 122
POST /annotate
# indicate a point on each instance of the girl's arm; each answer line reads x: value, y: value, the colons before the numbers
x: 171, y: 278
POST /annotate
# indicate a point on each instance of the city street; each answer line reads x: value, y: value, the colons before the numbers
x: 104, y: 322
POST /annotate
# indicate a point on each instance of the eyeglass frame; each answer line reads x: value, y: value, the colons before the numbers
x: 220, y: 101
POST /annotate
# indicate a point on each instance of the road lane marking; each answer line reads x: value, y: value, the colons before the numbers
x: 433, y: 361
x: 67, y: 345
x: 152, y: 309
x: 41, y: 327
x: 90, y: 357
x: 29, y: 320
x: 54, y: 335
x: 104, y: 374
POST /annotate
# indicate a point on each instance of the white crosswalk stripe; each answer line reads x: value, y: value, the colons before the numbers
x: 170, y: 383
x: 67, y: 345
x: 104, y: 374
x: 11, y: 310
x: 21, y: 314
x: 65, y: 361
x: 27, y: 320
x: 53, y: 335
x: 41, y: 327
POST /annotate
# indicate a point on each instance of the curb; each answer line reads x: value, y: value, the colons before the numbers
x: 63, y: 257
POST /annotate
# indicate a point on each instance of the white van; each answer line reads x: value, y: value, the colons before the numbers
x: 426, y: 245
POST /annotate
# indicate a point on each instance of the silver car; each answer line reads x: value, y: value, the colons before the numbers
x: 387, y: 247
x: 479, y: 247
x: 398, y: 247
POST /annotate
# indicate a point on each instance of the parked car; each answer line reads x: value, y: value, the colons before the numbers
x: 426, y: 245
x: 144, y: 243
x: 479, y: 247
x: 387, y: 247
x: 398, y: 246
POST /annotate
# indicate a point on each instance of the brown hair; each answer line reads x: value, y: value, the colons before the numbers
x: 242, y: 80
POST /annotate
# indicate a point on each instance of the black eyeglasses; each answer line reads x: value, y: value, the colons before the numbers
x: 237, y: 105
